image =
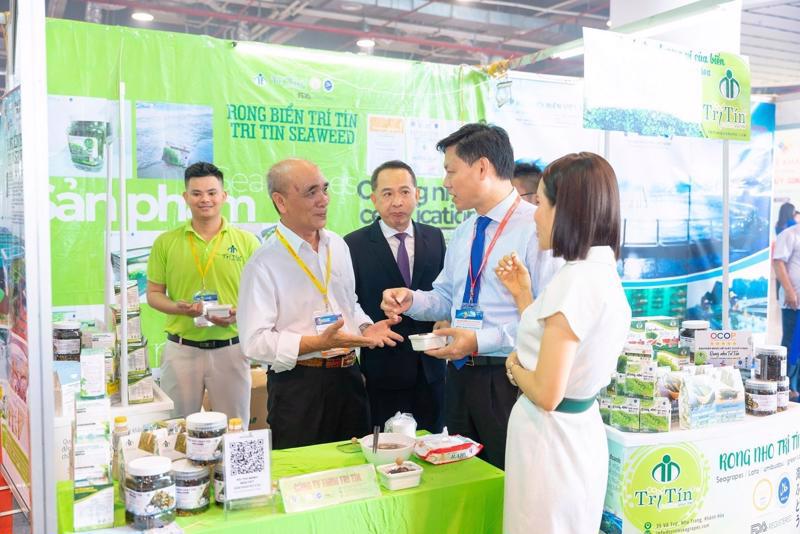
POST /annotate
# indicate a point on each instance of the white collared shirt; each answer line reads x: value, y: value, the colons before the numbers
x: 500, y: 315
x: 389, y: 233
x: 277, y: 300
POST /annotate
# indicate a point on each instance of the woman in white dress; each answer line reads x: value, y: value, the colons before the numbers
x: 567, y: 347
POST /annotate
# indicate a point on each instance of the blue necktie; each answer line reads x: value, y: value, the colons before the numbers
x: 476, y: 258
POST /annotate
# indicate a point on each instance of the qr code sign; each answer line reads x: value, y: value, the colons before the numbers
x: 247, y: 456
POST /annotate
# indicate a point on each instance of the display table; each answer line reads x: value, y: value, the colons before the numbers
x: 734, y: 478
x: 460, y: 498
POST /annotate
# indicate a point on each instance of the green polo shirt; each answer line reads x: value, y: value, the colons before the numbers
x: 172, y: 264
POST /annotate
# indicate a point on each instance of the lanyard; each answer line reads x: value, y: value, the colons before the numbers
x: 473, y: 280
x: 203, y: 272
x: 323, y: 289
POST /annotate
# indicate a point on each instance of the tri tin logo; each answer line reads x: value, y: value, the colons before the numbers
x: 664, y: 486
x: 728, y: 86
x: 666, y: 470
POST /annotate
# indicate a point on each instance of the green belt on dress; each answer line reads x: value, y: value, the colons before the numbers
x: 574, y: 405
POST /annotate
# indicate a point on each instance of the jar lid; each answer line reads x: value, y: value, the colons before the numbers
x: 149, y: 466
x: 761, y: 385
x: 696, y: 325
x: 67, y: 325
x: 120, y: 419
x: 184, y: 469
x: 235, y: 423
x: 775, y: 350
x: 207, y: 421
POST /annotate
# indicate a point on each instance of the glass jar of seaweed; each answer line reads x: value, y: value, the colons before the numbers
x: 770, y: 362
x: 204, y: 431
x: 67, y: 341
x: 783, y: 394
x: 761, y: 397
x: 149, y: 493
x: 192, y: 483
x: 688, y: 333
x: 219, y: 484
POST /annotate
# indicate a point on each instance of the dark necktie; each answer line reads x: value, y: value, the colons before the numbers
x: 402, y: 258
x: 476, y: 258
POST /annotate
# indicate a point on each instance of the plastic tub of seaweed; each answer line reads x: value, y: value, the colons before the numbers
x: 175, y: 154
x: 86, y: 140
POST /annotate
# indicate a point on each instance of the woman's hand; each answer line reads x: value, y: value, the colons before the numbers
x: 513, y: 274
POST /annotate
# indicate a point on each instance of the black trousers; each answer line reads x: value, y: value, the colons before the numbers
x: 478, y: 404
x: 310, y: 405
x: 425, y: 401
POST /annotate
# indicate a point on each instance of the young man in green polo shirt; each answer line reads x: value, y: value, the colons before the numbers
x: 196, y: 265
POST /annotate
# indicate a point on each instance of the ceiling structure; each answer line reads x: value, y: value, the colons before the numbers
x: 474, y: 32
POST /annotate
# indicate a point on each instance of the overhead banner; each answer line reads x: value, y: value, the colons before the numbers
x: 14, y: 367
x: 243, y: 106
x: 662, y: 89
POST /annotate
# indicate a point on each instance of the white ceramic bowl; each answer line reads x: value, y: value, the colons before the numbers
x: 387, y: 456
x: 422, y: 342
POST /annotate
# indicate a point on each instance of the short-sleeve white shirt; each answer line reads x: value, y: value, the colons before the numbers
x: 589, y: 294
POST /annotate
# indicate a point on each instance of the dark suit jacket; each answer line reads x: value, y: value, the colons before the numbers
x: 376, y: 269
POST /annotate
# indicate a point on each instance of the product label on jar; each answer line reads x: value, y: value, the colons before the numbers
x: 83, y: 147
x: 67, y: 347
x: 219, y: 490
x: 203, y: 449
x: 761, y: 403
x: 687, y: 342
x: 783, y: 368
x: 148, y: 503
x: 191, y: 497
x: 783, y: 399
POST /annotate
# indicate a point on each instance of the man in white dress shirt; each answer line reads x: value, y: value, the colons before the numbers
x: 299, y: 313
x: 479, y: 165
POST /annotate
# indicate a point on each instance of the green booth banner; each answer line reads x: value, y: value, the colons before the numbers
x: 243, y: 106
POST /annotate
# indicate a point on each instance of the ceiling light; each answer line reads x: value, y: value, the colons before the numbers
x: 366, y: 43
x: 142, y: 16
x: 350, y: 6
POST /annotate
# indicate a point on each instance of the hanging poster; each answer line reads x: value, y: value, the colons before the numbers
x: 657, y: 88
x: 14, y: 368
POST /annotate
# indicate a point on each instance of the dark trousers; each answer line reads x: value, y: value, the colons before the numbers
x: 478, y: 403
x: 310, y: 405
x: 789, y: 322
x: 425, y: 401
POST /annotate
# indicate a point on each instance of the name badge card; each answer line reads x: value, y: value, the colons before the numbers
x: 323, y: 320
x: 469, y: 317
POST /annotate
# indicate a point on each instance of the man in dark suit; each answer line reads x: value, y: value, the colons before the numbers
x: 395, y: 251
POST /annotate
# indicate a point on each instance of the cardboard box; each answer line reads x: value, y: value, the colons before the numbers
x: 258, y: 399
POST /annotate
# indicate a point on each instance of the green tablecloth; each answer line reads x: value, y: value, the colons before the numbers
x: 460, y: 498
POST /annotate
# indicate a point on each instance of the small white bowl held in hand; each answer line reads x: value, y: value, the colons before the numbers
x: 423, y: 342
x: 222, y: 311
x: 405, y: 446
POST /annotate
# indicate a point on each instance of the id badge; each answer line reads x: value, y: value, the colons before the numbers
x: 323, y: 320
x: 208, y: 298
x: 469, y: 317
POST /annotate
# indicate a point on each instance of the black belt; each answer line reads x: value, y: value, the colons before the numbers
x: 208, y: 344
x: 478, y: 361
